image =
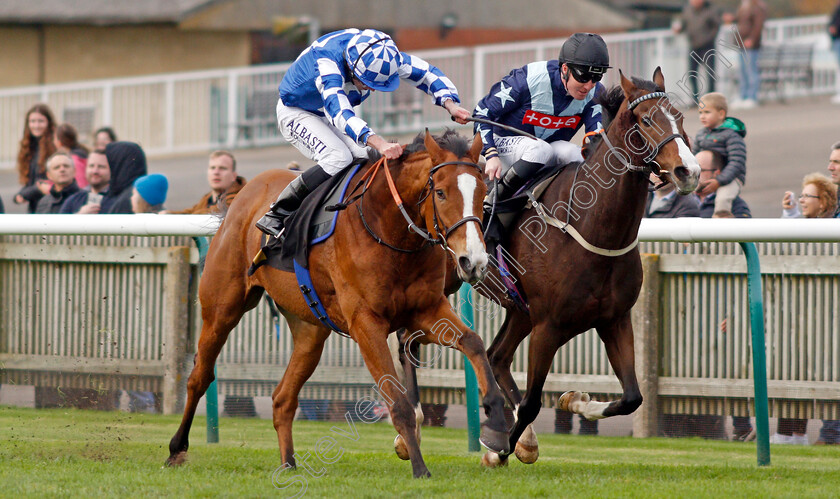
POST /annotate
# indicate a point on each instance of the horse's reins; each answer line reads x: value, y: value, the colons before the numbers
x: 503, y: 127
x: 442, y: 231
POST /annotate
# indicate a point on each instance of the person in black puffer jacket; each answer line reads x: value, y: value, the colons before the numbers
x: 128, y: 163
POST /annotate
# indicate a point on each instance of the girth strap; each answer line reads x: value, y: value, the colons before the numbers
x: 569, y: 229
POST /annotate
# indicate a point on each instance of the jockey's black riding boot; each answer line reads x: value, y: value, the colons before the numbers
x: 273, y: 222
x: 516, y: 176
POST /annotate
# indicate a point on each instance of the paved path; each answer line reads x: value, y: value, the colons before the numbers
x: 784, y: 142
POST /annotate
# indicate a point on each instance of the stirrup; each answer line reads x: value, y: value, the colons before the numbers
x: 272, y: 224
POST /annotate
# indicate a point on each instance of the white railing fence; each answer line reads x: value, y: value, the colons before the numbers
x: 199, y: 111
x: 104, y: 310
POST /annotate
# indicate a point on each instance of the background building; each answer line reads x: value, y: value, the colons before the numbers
x: 54, y: 41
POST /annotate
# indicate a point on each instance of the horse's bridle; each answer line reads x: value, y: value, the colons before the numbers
x: 441, y: 231
x: 430, y: 188
x: 649, y: 166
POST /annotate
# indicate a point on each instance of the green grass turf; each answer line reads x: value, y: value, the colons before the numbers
x: 73, y: 453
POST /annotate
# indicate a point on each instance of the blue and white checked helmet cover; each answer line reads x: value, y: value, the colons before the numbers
x: 380, y: 59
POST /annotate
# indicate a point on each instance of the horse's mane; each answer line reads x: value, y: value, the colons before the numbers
x: 610, y: 102
x: 450, y: 140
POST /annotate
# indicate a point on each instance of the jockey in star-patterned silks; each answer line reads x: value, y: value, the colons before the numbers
x: 315, y: 110
x: 549, y: 99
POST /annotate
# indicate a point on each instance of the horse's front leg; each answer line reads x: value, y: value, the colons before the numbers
x: 409, y: 352
x: 618, y: 342
x: 440, y: 325
x: 516, y: 328
x: 544, y: 344
x: 371, y: 331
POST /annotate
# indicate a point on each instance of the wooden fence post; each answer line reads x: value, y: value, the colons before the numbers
x: 645, y: 317
x: 176, y: 291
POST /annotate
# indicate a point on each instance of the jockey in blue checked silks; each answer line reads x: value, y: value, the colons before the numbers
x: 549, y: 99
x: 315, y: 110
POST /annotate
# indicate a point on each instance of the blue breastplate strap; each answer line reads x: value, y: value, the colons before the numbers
x: 312, y: 301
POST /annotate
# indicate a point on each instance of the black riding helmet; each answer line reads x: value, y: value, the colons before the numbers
x: 586, y: 51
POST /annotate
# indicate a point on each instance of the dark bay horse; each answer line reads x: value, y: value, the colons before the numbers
x: 367, y: 288
x: 570, y: 288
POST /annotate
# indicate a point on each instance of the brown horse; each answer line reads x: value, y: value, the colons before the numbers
x: 570, y: 288
x: 367, y: 287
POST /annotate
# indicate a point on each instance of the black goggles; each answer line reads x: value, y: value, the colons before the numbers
x: 587, y: 74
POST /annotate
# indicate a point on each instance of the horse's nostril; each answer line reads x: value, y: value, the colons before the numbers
x: 681, y: 172
x: 464, y: 263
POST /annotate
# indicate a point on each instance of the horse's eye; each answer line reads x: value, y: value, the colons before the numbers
x: 439, y: 193
x: 647, y: 121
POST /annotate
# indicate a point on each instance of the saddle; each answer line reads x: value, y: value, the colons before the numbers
x: 311, y: 224
x: 497, y: 224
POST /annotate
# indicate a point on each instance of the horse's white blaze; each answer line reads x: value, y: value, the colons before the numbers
x: 688, y: 159
x: 516, y: 413
x: 475, y: 250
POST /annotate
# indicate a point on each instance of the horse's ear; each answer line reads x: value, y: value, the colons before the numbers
x: 432, y: 146
x: 658, y: 78
x: 627, y: 86
x: 475, y: 148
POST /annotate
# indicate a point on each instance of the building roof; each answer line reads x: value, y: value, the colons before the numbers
x: 397, y: 14
x: 98, y: 12
x: 261, y: 14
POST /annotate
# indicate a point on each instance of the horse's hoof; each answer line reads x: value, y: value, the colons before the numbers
x: 564, y: 403
x: 527, y: 454
x: 400, y: 448
x: 424, y: 473
x: 177, y: 459
x: 496, y: 441
x: 493, y: 460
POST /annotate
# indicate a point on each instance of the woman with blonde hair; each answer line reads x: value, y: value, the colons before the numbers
x: 35, y: 147
x: 817, y: 200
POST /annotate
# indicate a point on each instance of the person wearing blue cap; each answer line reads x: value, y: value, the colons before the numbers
x: 315, y: 109
x: 147, y: 196
x: 149, y: 193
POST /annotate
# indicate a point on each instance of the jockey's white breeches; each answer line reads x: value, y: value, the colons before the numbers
x: 512, y: 149
x: 318, y: 139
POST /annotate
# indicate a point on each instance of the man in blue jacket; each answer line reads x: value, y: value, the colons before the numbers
x: 549, y: 99
x: 315, y: 110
